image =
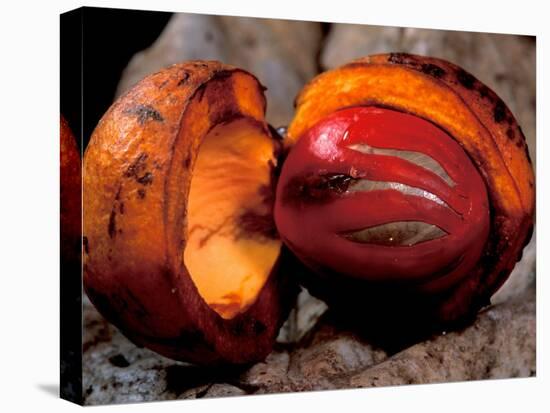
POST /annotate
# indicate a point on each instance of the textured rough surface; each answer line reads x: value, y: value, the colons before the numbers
x: 499, y: 344
x: 114, y: 369
x: 314, y: 353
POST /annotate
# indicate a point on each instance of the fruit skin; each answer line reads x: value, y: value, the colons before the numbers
x: 137, y: 172
x: 70, y: 198
x: 480, y: 122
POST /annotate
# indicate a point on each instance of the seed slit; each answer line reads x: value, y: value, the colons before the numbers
x: 397, y: 234
x: 417, y: 158
x: 368, y: 185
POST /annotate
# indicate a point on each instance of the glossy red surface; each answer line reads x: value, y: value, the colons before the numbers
x: 321, y: 198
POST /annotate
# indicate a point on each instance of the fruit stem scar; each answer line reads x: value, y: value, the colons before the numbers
x: 316, y: 188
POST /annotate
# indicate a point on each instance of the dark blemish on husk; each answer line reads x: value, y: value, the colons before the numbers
x: 510, y: 133
x: 258, y: 327
x: 141, y: 193
x: 483, y: 91
x: 200, y: 92
x: 121, y: 208
x: 183, y: 79
x: 145, y: 113
x: 137, y: 166
x: 187, y: 162
x: 398, y: 58
x: 465, y: 79
x: 137, y: 170
x: 111, y: 229
x: 499, y: 112
x: 432, y: 70
x: 146, y: 179
x: 86, y: 244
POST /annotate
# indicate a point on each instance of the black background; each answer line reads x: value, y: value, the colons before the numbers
x: 105, y: 40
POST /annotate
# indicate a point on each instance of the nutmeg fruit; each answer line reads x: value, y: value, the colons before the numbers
x: 349, y: 200
x: 182, y: 253
x: 408, y: 191
x: 403, y: 191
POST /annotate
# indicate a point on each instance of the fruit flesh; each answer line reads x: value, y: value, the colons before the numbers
x: 384, y: 196
x: 231, y: 248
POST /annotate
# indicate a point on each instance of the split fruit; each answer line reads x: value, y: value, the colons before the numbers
x: 408, y: 191
x: 181, y: 250
x: 403, y: 190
